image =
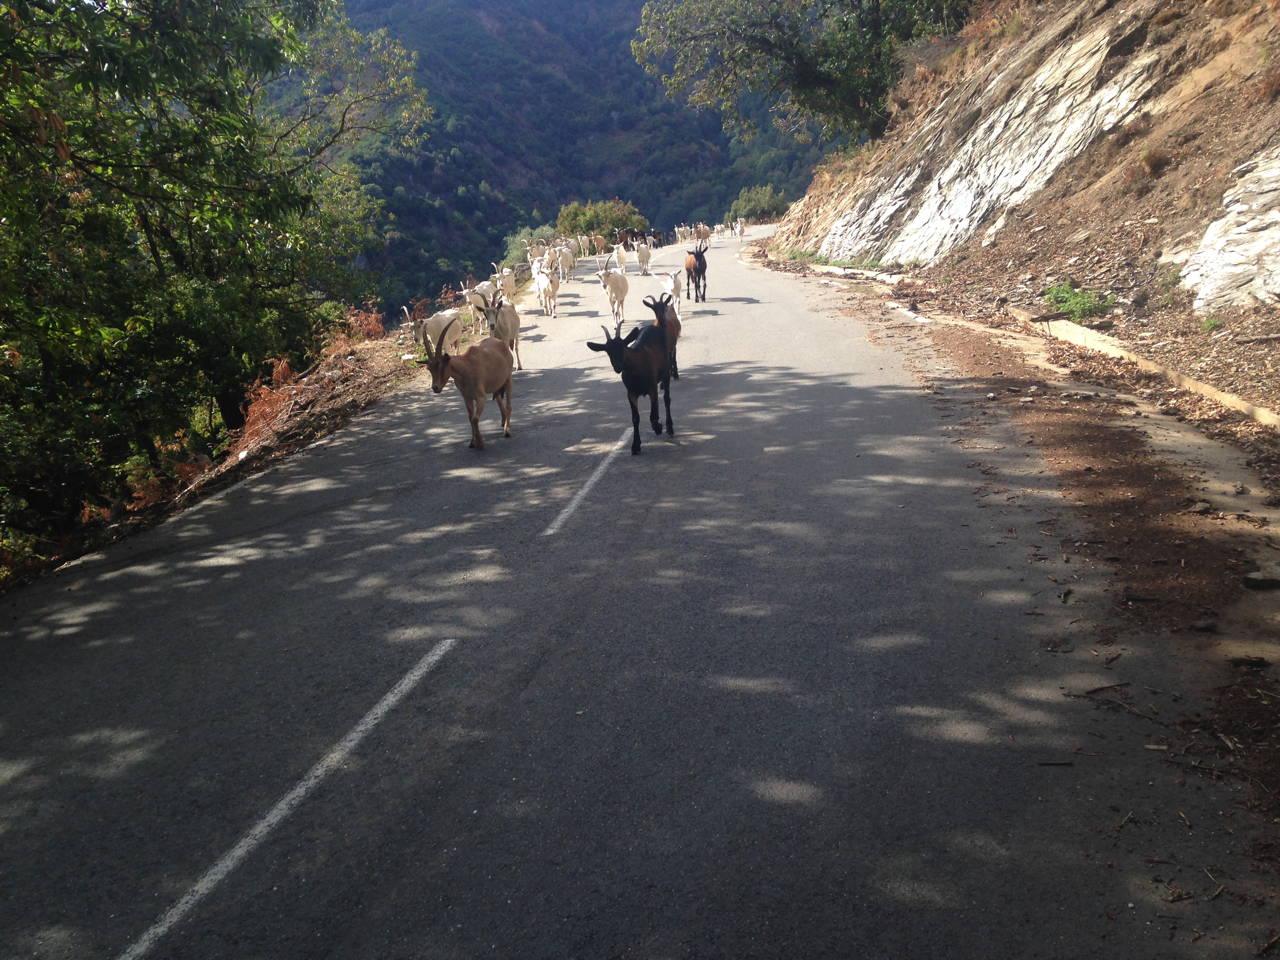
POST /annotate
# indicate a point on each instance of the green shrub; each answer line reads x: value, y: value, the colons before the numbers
x: 758, y: 205
x: 599, y: 216
x: 1076, y: 303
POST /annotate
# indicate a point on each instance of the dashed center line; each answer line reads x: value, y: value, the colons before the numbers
x: 286, y: 805
x: 554, y: 526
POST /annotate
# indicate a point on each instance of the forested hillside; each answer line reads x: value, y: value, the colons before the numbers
x: 538, y: 104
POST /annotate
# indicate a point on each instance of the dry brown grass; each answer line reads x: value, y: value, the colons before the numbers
x: 1155, y: 161
x: 281, y: 372
x: 365, y: 323
x: 1136, y: 179
x: 1269, y: 85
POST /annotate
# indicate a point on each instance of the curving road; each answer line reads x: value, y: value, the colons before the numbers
x: 767, y: 691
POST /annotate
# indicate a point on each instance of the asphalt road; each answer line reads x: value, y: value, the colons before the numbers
x: 769, y: 691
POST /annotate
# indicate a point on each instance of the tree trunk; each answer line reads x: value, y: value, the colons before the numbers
x: 229, y: 405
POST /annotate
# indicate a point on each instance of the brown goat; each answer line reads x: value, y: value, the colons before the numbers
x: 695, y: 272
x: 482, y: 371
x: 665, y: 317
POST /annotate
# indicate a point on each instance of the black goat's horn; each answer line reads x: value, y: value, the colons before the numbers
x: 606, y: 333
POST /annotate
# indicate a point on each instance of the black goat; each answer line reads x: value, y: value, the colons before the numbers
x: 695, y: 272
x: 642, y: 359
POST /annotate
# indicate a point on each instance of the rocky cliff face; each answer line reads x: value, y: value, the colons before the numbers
x: 1238, y: 259
x: 1082, y: 111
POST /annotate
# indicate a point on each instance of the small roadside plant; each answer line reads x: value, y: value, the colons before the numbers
x: 1168, y: 285
x: 1211, y: 323
x: 821, y: 260
x: 1078, y: 304
x: 1156, y: 161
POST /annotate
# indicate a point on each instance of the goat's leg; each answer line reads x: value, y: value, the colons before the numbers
x: 675, y: 367
x: 503, y: 397
x: 474, y: 409
x: 635, y: 423
x: 516, y: 345
x: 666, y: 399
x: 653, y: 411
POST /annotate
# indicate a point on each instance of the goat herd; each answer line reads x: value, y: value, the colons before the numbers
x: 645, y: 357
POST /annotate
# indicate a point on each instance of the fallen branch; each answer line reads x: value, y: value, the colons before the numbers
x: 1106, y: 686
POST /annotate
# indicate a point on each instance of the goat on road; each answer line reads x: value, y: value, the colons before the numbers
x: 641, y: 358
x: 695, y: 272
x: 665, y: 317
x: 483, y: 371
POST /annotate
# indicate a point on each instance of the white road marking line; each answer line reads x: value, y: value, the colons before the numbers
x: 286, y: 805
x: 554, y: 527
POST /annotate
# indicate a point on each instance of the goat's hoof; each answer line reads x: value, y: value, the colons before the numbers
x: 657, y: 428
x: 635, y: 451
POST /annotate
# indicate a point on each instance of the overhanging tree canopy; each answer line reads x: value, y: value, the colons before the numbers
x: 824, y: 61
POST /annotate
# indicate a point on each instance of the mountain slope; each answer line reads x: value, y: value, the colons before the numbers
x: 539, y: 104
x: 1124, y: 154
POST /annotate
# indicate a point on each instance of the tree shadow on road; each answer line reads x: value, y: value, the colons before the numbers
x: 744, y: 701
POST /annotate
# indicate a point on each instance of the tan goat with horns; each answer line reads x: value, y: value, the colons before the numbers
x: 482, y: 371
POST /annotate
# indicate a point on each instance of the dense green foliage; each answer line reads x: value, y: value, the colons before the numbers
x: 601, y: 216
x: 758, y: 205
x: 166, y: 231
x: 540, y: 104
x: 830, y: 62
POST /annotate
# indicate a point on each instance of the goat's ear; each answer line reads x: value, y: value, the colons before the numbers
x: 597, y: 347
x: 630, y: 338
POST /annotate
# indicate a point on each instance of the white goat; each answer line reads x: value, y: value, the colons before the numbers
x: 504, y: 323
x: 671, y: 285
x: 567, y: 261
x: 643, y: 256
x: 475, y: 296
x: 620, y: 251
x: 435, y: 325
x: 615, y: 285
x: 505, y: 280
x: 547, y: 285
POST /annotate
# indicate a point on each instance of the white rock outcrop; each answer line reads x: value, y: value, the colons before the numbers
x: 1238, y: 261
x: 1035, y: 114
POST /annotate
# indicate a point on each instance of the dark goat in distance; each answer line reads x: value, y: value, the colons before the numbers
x: 664, y: 313
x: 642, y: 359
x: 695, y: 272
